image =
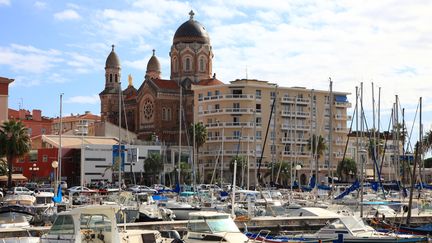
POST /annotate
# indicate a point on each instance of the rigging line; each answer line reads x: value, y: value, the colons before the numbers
x: 125, y: 117
x: 409, y: 145
x: 385, y: 142
x: 373, y: 151
x: 350, y: 130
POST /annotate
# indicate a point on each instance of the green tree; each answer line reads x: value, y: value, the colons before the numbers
x: 3, y: 167
x: 284, y: 172
x: 200, y: 137
x: 345, y: 168
x: 241, y: 161
x: 427, y: 142
x: 14, y: 143
x: 185, y: 172
x: 153, y: 165
x: 428, y: 163
x: 316, y: 145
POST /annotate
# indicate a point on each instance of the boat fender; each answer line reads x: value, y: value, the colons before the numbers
x: 405, y: 208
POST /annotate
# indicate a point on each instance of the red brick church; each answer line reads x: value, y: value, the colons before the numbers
x: 154, y: 107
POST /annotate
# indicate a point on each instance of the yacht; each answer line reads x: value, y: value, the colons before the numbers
x: 97, y: 224
x: 16, y: 206
x: 44, y: 208
x: 206, y: 226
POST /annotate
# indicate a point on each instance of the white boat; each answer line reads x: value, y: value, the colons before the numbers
x: 209, y: 227
x: 354, y: 230
x: 150, y: 211
x: 181, y: 209
x: 44, y: 208
x: 20, y: 235
x: 96, y: 223
x: 16, y: 206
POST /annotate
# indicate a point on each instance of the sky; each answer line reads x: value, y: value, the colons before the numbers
x: 54, y: 47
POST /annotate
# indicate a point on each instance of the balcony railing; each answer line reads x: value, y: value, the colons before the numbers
x: 229, y: 97
x: 295, y: 127
x: 342, y: 104
x: 295, y: 114
x: 293, y: 100
x: 293, y: 140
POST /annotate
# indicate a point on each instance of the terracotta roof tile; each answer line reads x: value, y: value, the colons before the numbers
x: 210, y: 82
x: 166, y: 84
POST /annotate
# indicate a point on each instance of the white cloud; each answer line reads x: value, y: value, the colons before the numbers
x: 40, y: 5
x: 5, y: 2
x: 68, y: 14
x: 82, y: 63
x: 92, y: 100
x: 28, y: 58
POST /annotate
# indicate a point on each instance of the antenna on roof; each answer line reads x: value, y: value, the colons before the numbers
x: 246, y: 70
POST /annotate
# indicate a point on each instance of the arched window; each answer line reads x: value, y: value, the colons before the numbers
x: 187, y: 64
x: 110, y: 78
x: 201, y: 64
x: 116, y: 78
x: 164, y: 114
x: 175, y: 63
x: 169, y: 114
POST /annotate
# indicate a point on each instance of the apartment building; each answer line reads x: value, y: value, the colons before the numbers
x: 237, y: 117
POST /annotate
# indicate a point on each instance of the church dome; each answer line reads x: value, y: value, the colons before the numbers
x: 191, y: 31
x: 112, y: 60
x: 153, y: 64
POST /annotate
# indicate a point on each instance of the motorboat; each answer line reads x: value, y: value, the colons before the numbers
x: 96, y: 224
x: 209, y: 226
x: 150, y: 211
x: 21, y: 235
x: 353, y: 229
x: 45, y: 211
x: 181, y: 209
x: 15, y: 207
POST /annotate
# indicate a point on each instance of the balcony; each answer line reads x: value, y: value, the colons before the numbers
x: 295, y: 127
x: 227, y: 111
x: 232, y: 125
x: 230, y: 153
x: 342, y: 104
x: 293, y: 100
x: 293, y: 140
x: 231, y: 139
x: 295, y: 154
x: 342, y: 117
x: 228, y: 97
x: 298, y: 114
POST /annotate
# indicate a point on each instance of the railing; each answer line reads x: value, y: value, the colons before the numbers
x: 292, y: 100
x: 342, y: 104
x: 298, y: 154
x: 293, y: 140
x: 295, y: 113
x: 295, y: 127
x: 229, y: 96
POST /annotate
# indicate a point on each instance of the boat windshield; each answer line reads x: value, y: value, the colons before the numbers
x: 63, y: 225
x: 213, y: 224
x: 43, y: 200
x: 95, y: 222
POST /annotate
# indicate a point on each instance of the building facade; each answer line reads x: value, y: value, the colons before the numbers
x: 4, y: 97
x: 238, y: 115
x: 35, y: 123
x: 80, y: 125
x: 158, y: 107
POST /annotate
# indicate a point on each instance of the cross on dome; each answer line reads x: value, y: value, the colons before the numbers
x: 112, y: 47
x: 191, y: 13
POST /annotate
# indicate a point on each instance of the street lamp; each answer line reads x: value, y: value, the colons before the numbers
x: 298, y: 168
x: 34, y: 170
x: 54, y: 165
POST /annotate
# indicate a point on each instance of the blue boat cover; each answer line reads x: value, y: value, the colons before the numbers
x: 352, y: 188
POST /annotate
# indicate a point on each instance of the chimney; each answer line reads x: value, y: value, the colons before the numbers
x: 37, y: 115
x: 22, y: 114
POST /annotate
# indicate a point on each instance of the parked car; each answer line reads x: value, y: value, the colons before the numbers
x: 76, y: 190
x: 138, y: 188
x: 20, y: 190
x: 31, y: 185
x: 160, y: 187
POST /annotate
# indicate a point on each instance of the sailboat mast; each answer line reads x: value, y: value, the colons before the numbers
x: 60, y: 152
x: 330, y: 138
x: 119, y: 141
x: 180, y: 129
x: 362, y: 151
x: 374, y: 132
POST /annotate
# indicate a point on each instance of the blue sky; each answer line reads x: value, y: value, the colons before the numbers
x: 53, y: 47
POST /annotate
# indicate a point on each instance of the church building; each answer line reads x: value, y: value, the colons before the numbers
x: 153, y: 108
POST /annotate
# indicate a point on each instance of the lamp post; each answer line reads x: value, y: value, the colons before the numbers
x: 54, y: 165
x: 298, y: 168
x: 34, y: 170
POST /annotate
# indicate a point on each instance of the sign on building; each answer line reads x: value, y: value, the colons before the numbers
x: 115, y: 154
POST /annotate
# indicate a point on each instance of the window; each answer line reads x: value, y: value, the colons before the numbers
x: 110, y: 78
x: 258, y: 108
x: 43, y: 130
x: 201, y: 65
x: 258, y: 94
x: 258, y: 121
x: 164, y: 115
x: 273, y: 94
x: 169, y: 117
x: 217, y: 106
x: 175, y: 64
x: 187, y: 64
x: 236, y: 120
x: 200, y: 96
x: 209, y: 93
x: 258, y: 135
x: 63, y: 225
x: 116, y: 79
x: 236, y: 134
x: 217, y: 92
x: 236, y: 105
x: 29, y: 131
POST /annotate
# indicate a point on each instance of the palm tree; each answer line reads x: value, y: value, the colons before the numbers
x: 284, y: 171
x: 241, y: 161
x: 3, y: 167
x: 185, y: 172
x: 14, y: 143
x: 427, y: 142
x: 200, y: 136
x: 317, y: 145
x: 345, y: 168
x: 153, y: 165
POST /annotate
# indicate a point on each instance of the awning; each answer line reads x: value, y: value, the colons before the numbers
x: 15, y: 177
x: 341, y: 98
